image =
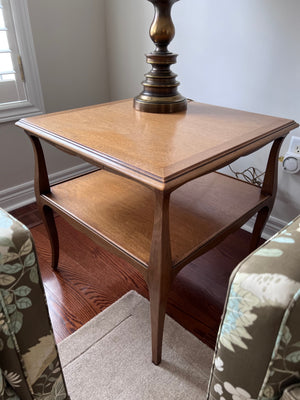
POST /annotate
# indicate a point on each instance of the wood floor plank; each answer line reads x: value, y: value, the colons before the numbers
x: 69, y: 305
x: 28, y: 214
x: 80, y: 290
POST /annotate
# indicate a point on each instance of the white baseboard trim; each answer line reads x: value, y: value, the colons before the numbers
x: 273, y: 226
x: 21, y: 195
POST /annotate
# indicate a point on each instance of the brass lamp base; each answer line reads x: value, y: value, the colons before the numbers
x: 156, y: 105
x: 160, y: 94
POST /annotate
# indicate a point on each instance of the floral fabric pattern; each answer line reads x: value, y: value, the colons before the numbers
x: 284, y: 365
x: 257, y: 354
x: 29, y: 363
x: 250, y: 291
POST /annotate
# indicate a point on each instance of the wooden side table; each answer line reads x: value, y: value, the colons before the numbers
x: 155, y: 199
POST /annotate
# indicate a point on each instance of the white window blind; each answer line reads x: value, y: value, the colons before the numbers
x: 12, y: 87
x: 20, y: 91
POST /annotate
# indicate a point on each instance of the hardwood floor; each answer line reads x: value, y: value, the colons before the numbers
x: 90, y: 279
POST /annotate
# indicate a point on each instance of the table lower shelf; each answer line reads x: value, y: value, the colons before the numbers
x: 118, y: 212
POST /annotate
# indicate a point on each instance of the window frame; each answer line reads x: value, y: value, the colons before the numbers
x: 34, y: 103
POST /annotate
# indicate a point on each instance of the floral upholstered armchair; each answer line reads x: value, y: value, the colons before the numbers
x: 29, y: 363
x: 258, y: 348
x: 257, y: 354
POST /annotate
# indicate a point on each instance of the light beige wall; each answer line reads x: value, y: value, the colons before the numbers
x: 127, y: 41
x: 70, y: 43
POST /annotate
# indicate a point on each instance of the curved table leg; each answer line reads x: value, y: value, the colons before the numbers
x: 41, y: 186
x: 49, y: 222
x: 261, y: 220
x: 269, y: 187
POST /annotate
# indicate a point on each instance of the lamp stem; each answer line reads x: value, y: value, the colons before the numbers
x: 160, y: 94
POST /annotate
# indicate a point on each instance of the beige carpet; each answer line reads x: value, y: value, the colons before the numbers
x: 110, y: 357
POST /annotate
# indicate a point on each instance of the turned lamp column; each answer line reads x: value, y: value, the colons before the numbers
x: 160, y: 94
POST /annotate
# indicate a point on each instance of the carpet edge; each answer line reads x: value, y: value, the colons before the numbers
x: 118, y: 311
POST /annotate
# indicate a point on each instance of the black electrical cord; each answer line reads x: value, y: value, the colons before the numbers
x: 250, y: 175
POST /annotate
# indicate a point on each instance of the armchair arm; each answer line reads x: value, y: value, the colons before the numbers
x: 257, y: 353
x: 29, y: 363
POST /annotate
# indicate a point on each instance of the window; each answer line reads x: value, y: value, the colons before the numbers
x: 20, y: 91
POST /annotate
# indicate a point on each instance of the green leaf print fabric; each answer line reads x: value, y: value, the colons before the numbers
x: 257, y: 354
x: 29, y: 363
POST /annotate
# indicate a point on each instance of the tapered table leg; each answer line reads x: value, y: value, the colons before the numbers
x: 159, y: 274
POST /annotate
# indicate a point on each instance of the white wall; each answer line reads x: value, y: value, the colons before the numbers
x: 239, y: 54
x: 70, y: 43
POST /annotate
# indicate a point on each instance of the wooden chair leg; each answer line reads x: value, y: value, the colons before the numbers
x: 49, y: 222
x: 261, y: 220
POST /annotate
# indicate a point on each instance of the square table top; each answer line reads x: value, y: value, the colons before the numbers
x: 160, y: 150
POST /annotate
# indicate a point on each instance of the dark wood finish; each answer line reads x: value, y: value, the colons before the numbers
x: 269, y: 188
x: 42, y: 187
x: 119, y: 214
x: 29, y: 215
